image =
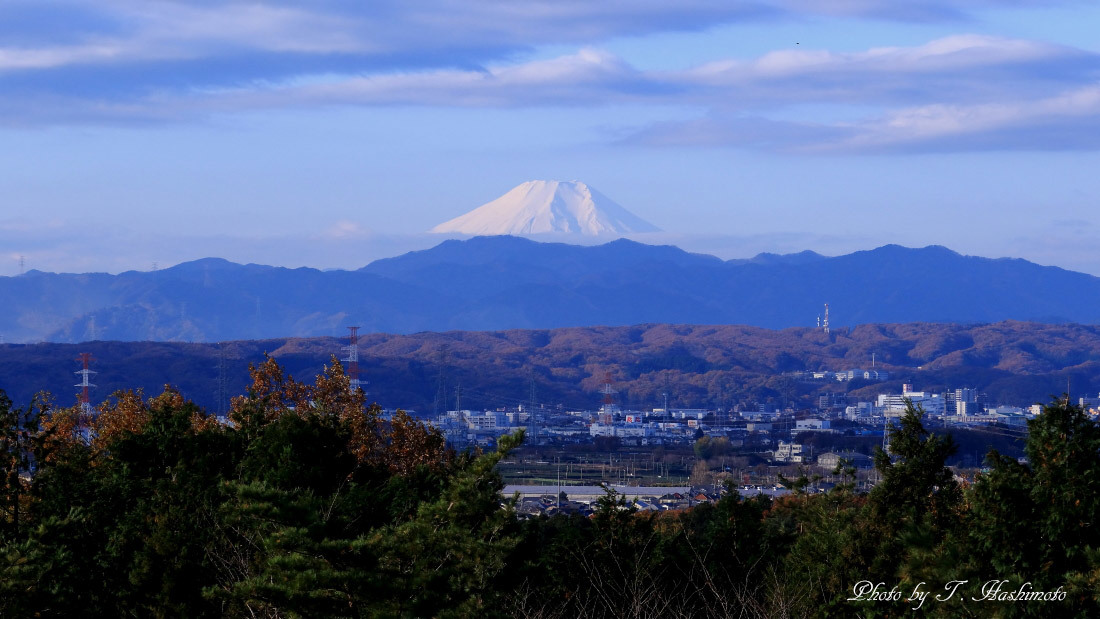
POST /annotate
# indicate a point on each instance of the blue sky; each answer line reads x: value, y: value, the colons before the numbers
x: 327, y: 134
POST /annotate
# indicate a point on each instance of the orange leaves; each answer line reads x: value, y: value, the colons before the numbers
x: 128, y: 413
x: 272, y: 392
x: 275, y: 393
x: 411, y: 445
x: 365, y: 431
x: 63, y: 429
x: 401, y: 445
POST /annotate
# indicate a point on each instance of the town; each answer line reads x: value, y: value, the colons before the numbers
x: 670, y: 458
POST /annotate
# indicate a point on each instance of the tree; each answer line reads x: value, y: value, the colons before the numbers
x: 707, y: 447
x: 844, y: 538
x: 1036, y: 521
x: 19, y: 442
x: 447, y: 559
x: 915, y: 479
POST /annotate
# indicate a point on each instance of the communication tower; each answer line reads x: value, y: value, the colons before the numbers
x: 825, y: 325
x: 608, y: 391
x: 353, y: 359
x: 83, y: 399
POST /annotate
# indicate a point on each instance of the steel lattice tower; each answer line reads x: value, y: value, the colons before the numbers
x: 352, y: 359
x: 83, y: 399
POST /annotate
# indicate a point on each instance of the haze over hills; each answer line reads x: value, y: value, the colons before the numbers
x: 492, y: 283
x: 547, y: 207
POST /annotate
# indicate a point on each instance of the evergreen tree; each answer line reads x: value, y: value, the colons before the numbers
x: 1037, y: 522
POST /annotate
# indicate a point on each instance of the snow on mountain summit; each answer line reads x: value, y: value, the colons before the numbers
x: 540, y: 207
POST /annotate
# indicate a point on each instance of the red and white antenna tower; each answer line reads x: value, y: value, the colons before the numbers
x: 825, y: 326
x: 83, y: 399
x: 608, y: 389
x: 353, y: 359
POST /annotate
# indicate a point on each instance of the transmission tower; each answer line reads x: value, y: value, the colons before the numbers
x: 83, y: 400
x: 825, y: 325
x: 353, y: 359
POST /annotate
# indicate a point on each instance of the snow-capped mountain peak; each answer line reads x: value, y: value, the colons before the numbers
x: 548, y: 207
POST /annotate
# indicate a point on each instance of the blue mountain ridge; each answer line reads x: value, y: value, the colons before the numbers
x: 493, y: 283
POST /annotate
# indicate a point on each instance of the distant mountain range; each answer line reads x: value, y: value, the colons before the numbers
x: 492, y: 283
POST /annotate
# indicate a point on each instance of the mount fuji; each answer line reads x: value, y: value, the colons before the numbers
x: 548, y: 207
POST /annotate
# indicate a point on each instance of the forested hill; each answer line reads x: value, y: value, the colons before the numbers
x: 1014, y: 362
x: 494, y: 283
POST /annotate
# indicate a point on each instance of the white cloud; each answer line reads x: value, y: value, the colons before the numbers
x: 585, y: 77
x: 1068, y: 120
x: 227, y: 57
x: 49, y: 57
x: 945, y: 69
x: 389, y: 33
x: 162, y: 31
x: 951, y: 53
x: 344, y: 230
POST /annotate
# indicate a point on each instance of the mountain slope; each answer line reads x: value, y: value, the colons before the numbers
x: 546, y: 207
x: 492, y: 283
x: 698, y: 365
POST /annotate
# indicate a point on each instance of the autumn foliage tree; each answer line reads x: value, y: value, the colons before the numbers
x: 309, y: 502
x: 151, y: 507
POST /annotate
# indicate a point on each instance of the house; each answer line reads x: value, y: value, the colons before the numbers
x: 829, y: 460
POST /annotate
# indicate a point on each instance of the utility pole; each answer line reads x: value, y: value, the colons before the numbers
x: 441, y: 386
x: 223, y: 381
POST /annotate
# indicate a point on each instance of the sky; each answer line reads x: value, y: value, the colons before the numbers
x: 137, y: 135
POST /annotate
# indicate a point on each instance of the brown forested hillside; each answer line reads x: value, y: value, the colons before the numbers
x: 1014, y: 362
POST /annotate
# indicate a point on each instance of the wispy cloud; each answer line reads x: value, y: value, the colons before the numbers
x: 957, y: 93
x: 384, y: 34
x: 954, y: 67
x: 344, y: 230
x: 162, y: 61
x: 1069, y: 120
